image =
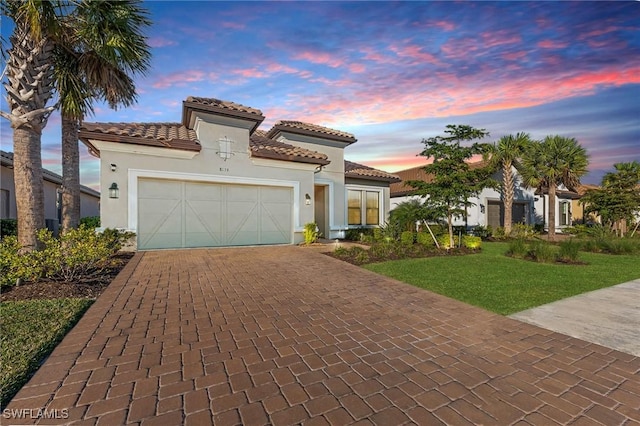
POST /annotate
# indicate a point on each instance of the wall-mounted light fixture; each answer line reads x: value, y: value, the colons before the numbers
x: 482, y: 208
x: 307, y: 199
x: 114, y: 192
x: 114, y: 167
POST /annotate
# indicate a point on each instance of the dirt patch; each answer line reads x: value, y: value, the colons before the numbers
x: 87, y: 287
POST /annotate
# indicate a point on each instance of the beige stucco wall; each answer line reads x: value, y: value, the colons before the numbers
x: 137, y: 161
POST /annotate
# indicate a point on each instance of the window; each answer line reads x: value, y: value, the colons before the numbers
x: 355, y: 207
x: 363, y: 207
x: 565, y: 214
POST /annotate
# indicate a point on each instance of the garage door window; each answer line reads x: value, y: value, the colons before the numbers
x: 363, y: 207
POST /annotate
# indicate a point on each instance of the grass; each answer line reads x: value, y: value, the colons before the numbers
x: 29, y: 331
x: 506, y: 285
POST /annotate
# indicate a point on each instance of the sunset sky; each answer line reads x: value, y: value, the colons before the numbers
x: 395, y: 73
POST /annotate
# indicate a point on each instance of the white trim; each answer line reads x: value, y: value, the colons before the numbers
x: 381, y: 213
x: 142, y: 150
x: 281, y: 164
x: 136, y: 174
x: 330, y: 184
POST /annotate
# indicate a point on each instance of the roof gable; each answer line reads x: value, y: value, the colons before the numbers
x: 360, y: 171
x: 220, y: 108
x: 307, y: 129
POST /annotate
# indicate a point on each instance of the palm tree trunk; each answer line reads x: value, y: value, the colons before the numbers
x: 507, y: 192
x: 27, y: 172
x: 70, y: 174
x: 552, y: 212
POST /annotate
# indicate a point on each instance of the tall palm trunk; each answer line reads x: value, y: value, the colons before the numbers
x: 29, y: 88
x: 507, y: 193
x: 27, y: 171
x: 70, y: 174
x: 552, y: 211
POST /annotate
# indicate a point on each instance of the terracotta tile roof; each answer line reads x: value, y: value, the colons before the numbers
x: 161, y: 135
x: 359, y: 171
x: 217, y: 103
x: 400, y: 189
x: 299, y: 127
x: 261, y: 146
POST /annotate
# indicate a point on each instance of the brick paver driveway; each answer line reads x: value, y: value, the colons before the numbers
x: 287, y: 335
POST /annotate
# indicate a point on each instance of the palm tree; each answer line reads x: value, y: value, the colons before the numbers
x: 29, y: 86
x: 555, y: 161
x: 504, y: 154
x: 95, y: 59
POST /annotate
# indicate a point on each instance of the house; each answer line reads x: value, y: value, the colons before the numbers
x: 89, y: 198
x: 215, y: 179
x: 529, y: 206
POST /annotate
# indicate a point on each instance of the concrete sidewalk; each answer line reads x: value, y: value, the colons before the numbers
x: 609, y: 317
x: 287, y: 335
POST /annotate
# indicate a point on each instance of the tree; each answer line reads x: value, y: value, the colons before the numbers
x: 618, y: 200
x: 408, y: 213
x: 29, y: 86
x: 504, y: 154
x: 452, y: 180
x: 94, y: 60
x: 555, y: 161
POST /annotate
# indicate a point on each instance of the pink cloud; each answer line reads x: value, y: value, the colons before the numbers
x: 161, y: 42
x: 416, y: 53
x: 514, y: 56
x: 320, y: 58
x: 180, y: 78
x: 357, y: 68
x: 551, y: 44
x: 233, y: 25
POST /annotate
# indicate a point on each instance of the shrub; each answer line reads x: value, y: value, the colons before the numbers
x: 424, y: 238
x: 90, y: 221
x: 8, y: 227
x: 407, y: 238
x: 444, y: 242
x: 520, y: 230
x: 358, y: 234
x: 471, y: 242
x: 14, y: 265
x: 538, y: 228
x: 569, y: 250
x: 482, y: 232
x: 518, y: 248
x: 618, y: 245
x: 310, y: 233
x: 541, y: 251
x: 498, y: 233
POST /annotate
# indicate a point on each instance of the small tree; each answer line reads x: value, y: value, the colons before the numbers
x: 408, y: 213
x: 452, y: 180
x: 618, y: 201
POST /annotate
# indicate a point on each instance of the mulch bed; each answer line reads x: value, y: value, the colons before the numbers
x: 88, y: 287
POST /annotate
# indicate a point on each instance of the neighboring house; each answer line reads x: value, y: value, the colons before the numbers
x: 529, y: 207
x: 214, y: 179
x: 89, y: 198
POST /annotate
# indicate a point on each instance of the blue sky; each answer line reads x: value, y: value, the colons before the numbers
x: 395, y: 73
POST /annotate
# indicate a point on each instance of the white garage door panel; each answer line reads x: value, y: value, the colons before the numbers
x: 193, y: 214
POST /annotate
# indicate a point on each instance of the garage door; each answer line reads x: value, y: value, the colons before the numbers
x: 174, y: 214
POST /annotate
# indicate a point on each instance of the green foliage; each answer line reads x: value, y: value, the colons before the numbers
x: 482, y: 232
x: 407, y: 238
x: 75, y: 253
x: 619, y: 198
x: 406, y: 214
x: 569, y: 250
x: 520, y: 230
x: 471, y: 242
x: 90, y: 221
x: 452, y: 182
x: 388, y: 231
x: 29, y: 330
x: 424, y: 238
x: 358, y: 234
x: 518, y: 248
x: 310, y: 233
x: 445, y: 243
x: 498, y: 233
x: 541, y: 251
x: 8, y: 227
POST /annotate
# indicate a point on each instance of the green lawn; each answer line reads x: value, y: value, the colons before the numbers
x: 29, y: 331
x: 505, y: 285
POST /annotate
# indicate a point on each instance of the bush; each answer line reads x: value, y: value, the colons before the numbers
x: 424, y: 238
x: 8, y: 227
x: 90, y: 221
x: 310, y: 233
x: 541, y: 251
x: 407, y: 238
x: 444, y: 242
x: 518, y: 248
x: 471, y: 242
x: 498, y: 233
x: 520, y: 230
x: 77, y: 252
x: 358, y: 234
x: 618, y: 245
x: 482, y: 232
x: 569, y: 250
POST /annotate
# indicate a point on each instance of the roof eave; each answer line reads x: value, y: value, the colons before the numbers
x: 294, y: 158
x: 189, y: 107
x: 284, y: 128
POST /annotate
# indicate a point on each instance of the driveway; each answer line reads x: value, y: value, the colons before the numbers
x: 287, y: 335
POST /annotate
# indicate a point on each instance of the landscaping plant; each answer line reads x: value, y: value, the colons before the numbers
x: 310, y: 233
